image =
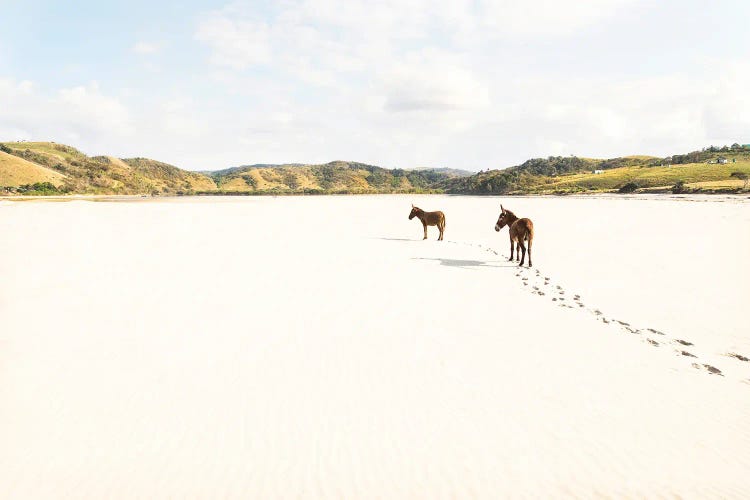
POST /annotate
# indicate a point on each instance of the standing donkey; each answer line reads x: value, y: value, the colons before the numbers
x: 429, y: 219
x: 520, y: 230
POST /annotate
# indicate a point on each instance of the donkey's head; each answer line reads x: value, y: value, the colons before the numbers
x: 506, y: 217
x: 414, y: 212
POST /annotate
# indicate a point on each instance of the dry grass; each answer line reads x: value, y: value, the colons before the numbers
x: 698, y: 175
x: 59, y: 151
x: 15, y: 171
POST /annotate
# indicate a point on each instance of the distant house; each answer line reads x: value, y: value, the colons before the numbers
x: 722, y: 160
x: 598, y: 171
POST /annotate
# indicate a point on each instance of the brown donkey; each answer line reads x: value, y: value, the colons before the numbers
x: 429, y: 219
x: 520, y: 230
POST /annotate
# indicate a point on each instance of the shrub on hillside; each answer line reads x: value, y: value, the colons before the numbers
x: 630, y: 187
x: 290, y: 180
x: 41, y: 189
x: 679, y: 187
x: 742, y: 176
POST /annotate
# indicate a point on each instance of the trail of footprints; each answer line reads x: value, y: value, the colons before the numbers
x: 533, y: 280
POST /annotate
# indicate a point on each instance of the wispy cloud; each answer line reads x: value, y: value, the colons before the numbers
x: 74, y: 113
x: 146, y: 48
x: 466, y: 83
x: 236, y: 41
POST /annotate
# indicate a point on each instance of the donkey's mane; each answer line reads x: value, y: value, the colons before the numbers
x: 508, y: 212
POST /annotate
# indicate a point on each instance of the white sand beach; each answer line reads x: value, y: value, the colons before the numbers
x: 316, y: 347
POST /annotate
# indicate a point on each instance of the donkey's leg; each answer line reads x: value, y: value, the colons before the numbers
x: 530, y: 238
x: 523, y: 249
x: 441, y: 226
x: 424, y: 225
x: 511, y: 250
x: 518, y: 250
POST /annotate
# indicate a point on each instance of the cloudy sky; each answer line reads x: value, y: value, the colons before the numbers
x: 469, y: 84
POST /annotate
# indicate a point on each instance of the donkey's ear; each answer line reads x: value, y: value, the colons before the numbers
x: 501, y: 207
x: 412, y: 205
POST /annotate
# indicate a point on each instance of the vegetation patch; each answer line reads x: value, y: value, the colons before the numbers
x: 713, y: 169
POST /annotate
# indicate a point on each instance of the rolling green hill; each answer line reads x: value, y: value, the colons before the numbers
x: 333, y: 177
x: 698, y: 171
x: 50, y: 168
x: 15, y: 171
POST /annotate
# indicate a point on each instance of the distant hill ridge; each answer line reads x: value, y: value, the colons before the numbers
x: 332, y: 177
x: 712, y: 169
x: 81, y: 174
x: 51, y: 168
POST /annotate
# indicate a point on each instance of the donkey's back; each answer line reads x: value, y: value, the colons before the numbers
x: 522, y: 229
x: 436, y: 218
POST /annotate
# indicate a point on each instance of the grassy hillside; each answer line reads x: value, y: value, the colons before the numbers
x: 50, y: 168
x: 15, y: 171
x: 695, y: 175
x: 166, y: 177
x: 333, y: 177
x: 699, y: 171
x: 71, y: 171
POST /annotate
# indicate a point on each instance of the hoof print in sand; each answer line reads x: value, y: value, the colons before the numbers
x: 710, y: 369
x: 541, y: 285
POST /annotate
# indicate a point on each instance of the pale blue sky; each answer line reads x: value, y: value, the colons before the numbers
x: 470, y: 84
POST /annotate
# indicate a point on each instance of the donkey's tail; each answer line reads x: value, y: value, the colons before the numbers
x: 529, y: 233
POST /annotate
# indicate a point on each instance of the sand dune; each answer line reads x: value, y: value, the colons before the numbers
x: 315, y: 347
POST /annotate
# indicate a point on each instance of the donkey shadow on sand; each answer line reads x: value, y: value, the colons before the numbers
x: 464, y: 263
